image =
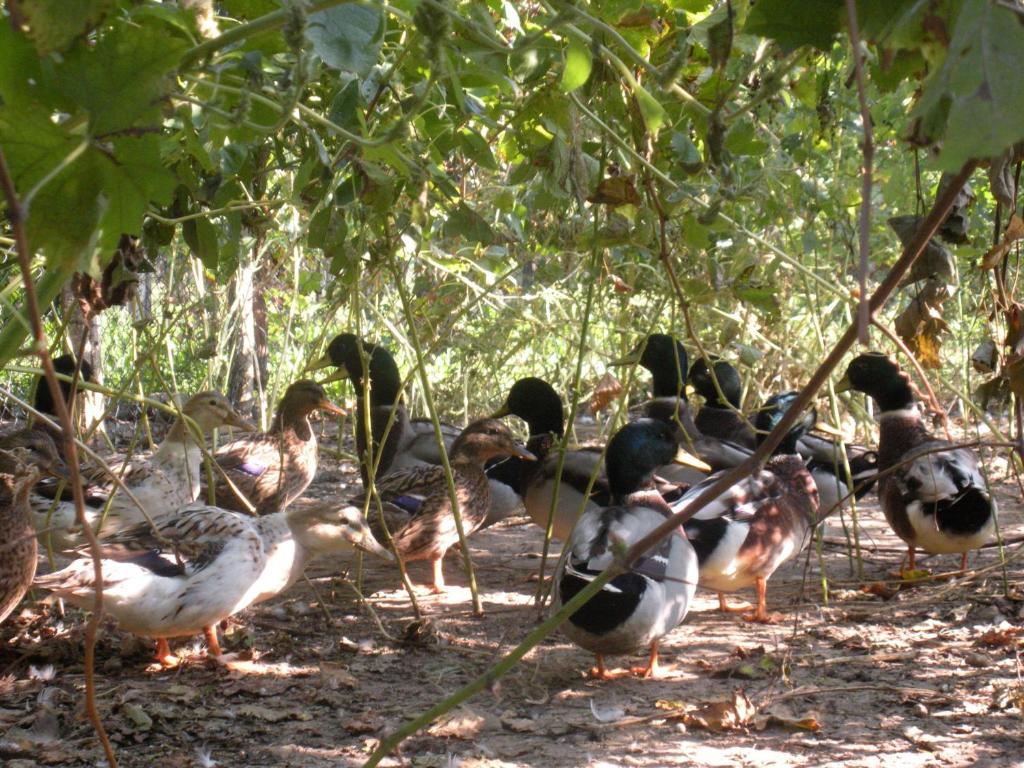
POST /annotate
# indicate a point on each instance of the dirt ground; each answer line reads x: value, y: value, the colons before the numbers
x: 926, y: 675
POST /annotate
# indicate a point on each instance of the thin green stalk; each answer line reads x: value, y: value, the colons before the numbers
x: 428, y: 396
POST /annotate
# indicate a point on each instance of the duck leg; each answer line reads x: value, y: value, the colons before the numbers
x: 963, y: 563
x: 438, y: 585
x: 652, y: 669
x: 760, y: 614
x: 163, y: 654
x: 212, y: 643
x: 724, y: 607
x: 911, y: 559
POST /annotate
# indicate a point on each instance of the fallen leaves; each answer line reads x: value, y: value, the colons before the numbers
x: 1014, y: 232
x: 737, y: 713
x: 272, y: 714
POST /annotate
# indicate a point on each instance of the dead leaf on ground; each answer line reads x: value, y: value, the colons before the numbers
x: 520, y: 724
x: 752, y: 664
x: 730, y: 715
x: 463, y: 724
x: 998, y: 638
x: 335, y: 676
x: 272, y: 715
x: 784, y: 717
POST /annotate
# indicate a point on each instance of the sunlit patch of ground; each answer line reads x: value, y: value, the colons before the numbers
x: 920, y: 676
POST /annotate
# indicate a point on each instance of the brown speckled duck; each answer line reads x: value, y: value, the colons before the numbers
x: 271, y: 469
x: 758, y: 523
x: 429, y: 530
x: 935, y: 500
x: 204, y: 564
x: 28, y: 455
x: 163, y: 482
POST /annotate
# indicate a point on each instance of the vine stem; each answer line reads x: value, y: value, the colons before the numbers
x: 403, y: 294
x: 17, y: 216
x: 868, y: 153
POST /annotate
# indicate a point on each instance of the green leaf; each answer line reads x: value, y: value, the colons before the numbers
x: 794, y: 23
x: 54, y: 24
x: 121, y: 80
x: 578, y: 64
x: 133, y: 178
x: 742, y: 140
x: 466, y: 223
x: 650, y: 109
x: 347, y: 37
x: 974, y: 102
x: 201, y: 236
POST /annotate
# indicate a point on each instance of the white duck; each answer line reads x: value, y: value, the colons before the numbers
x: 205, y: 564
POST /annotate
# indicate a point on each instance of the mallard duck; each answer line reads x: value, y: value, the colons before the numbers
x: 271, y: 469
x: 18, y: 552
x: 824, y: 460
x: 161, y: 483
x: 758, y: 523
x: 429, y: 530
x: 666, y: 360
x: 720, y: 417
x: 66, y: 366
x: 635, y: 609
x: 934, y: 499
x: 204, y: 564
x: 409, y: 443
x: 536, y: 402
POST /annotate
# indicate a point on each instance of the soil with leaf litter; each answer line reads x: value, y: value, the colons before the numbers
x: 883, y: 674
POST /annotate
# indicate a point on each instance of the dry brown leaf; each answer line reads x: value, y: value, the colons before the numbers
x: 464, y: 724
x: 615, y: 191
x: 272, y: 715
x: 520, y: 724
x: 729, y: 715
x: 921, y: 325
x: 781, y: 715
x: 608, y: 388
x: 620, y: 285
x: 997, y: 638
x: 1014, y: 232
x: 335, y: 676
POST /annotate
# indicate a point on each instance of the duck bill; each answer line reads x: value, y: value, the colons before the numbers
x: 318, y: 364
x: 327, y: 405
x: 687, y: 459
x: 520, y: 452
x: 365, y: 541
x: 844, y: 384
x: 631, y: 358
x: 501, y: 412
x: 828, y: 429
x: 234, y: 419
x: 340, y: 374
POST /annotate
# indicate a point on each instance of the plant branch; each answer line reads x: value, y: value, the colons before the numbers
x: 864, y: 217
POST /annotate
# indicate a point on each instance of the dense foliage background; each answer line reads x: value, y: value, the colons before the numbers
x: 509, y: 170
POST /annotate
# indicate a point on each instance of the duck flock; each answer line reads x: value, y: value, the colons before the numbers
x: 186, y: 545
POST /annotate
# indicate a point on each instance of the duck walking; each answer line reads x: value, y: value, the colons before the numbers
x: 271, y: 469
x: 428, y: 531
x: 204, y: 564
x: 637, y: 608
x: 932, y: 493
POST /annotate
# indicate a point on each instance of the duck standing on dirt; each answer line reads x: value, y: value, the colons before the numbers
x: 932, y: 493
x: 203, y: 564
x: 271, y: 469
x: 637, y: 608
x: 161, y: 483
x: 428, y: 531
x: 758, y: 523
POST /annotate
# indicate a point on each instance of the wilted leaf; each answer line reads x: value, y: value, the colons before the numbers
x: 273, y: 715
x: 520, y: 724
x: 335, y: 676
x: 138, y: 716
x: 718, y: 716
x: 781, y: 715
x: 997, y: 638
x: 935, y: 262
x: 620, y: 285
x: 985, y: 357
x: 1014, y: 232
x: 1001, y: 176
x: 615, y: 191
x: 608, y: 388
x: 463, y: 724
x: 921, y: 324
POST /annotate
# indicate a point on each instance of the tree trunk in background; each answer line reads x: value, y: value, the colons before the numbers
x: 242, y: 379
x: 259, y: 312
x: 93, y: 404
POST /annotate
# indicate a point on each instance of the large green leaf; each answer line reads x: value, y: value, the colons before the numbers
x: 54, y: 24
x: 974, y: 102
x: 347, y: 37
x: 794, y: 23
x: 121, y: 80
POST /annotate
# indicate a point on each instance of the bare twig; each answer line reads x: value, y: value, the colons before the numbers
x: 17, y: 217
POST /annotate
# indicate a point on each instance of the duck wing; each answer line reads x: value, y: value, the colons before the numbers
x: 269, y: 473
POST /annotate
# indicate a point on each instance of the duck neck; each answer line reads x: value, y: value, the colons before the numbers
x: 291, y: 422
x: 15, y: 512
